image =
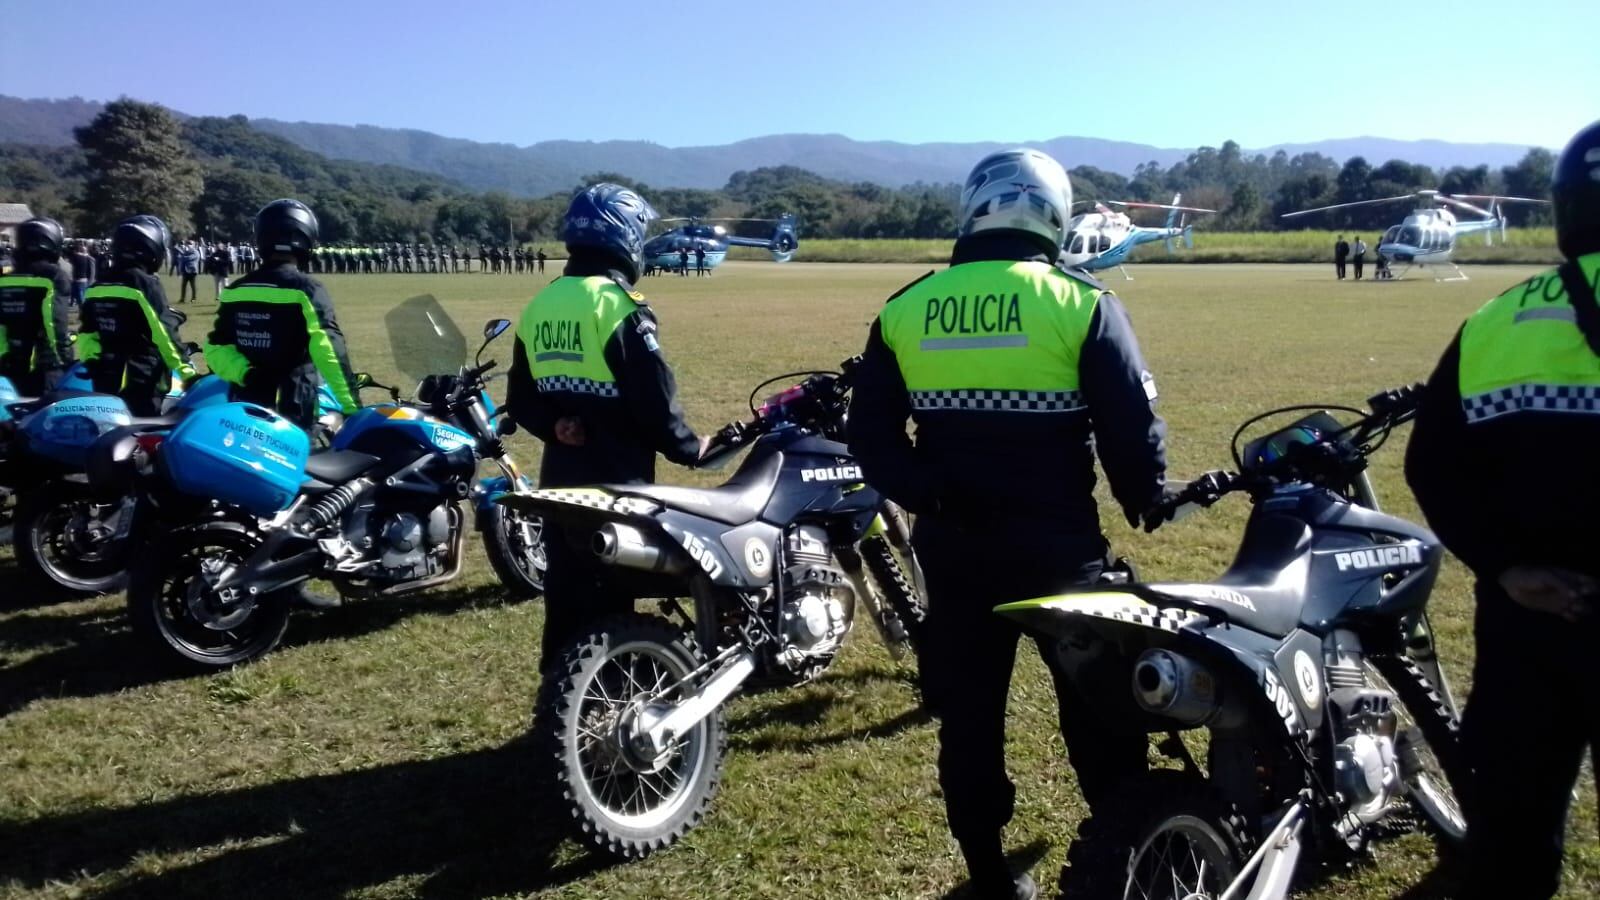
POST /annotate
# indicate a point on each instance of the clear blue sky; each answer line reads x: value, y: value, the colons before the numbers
x: 1174, y: 74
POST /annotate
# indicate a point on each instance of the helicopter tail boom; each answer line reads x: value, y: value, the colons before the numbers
x: 782, y: 244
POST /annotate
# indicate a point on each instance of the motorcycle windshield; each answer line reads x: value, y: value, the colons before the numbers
x: 424, y: 339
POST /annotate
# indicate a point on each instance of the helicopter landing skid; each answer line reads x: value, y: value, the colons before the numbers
x: 1458, y: 276
x: 1125, y: 275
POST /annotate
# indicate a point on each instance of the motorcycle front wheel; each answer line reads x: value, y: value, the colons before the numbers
x: 1433, y: 763
x: 514, y: 543
x: 622, y: 800
x: 179, y: 615
x: 68, y: 541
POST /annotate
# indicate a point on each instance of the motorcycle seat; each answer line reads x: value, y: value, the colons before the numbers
x: 338, y: 466
x: 736, y: 502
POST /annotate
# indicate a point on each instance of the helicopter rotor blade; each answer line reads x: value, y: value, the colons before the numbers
x: 1355, y: 203
x: 1500, y: 198
x: 1140, y: 205
x: 1462, y: 204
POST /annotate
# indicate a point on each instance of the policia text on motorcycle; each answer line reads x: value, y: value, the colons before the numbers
x: 128, y: 339
x: 35, y: 345
x: 588, y: 379
x: 1499, y: 464
x: 1012, y: 371
x: 275, y: 333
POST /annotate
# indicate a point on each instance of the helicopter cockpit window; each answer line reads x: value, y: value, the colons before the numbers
x: 1411, y: 236
x: 1067, y: 244
x: 1078, y: 243
x: 1104, y: 243
x: 1392, y: 235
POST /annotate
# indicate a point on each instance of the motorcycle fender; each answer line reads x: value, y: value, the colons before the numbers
x: 488, y: 491
x: 1104, y: 611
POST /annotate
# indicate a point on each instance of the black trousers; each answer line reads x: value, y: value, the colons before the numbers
x: 1338, y: 267
x: 967, y: 661
x: 187, y: 290
x: 1359, y: 262
x: 576, y: 594
x: 1532, y: 716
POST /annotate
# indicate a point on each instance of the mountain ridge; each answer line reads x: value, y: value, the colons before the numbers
x: 555, y: 165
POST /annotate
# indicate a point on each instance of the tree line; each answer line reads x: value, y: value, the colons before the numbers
x: 208, y: 176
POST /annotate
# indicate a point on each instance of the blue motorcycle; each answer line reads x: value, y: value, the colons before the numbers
x: 248, y: 514
x: 67, y: 540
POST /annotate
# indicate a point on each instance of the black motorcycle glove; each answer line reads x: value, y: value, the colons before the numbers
x: 1155, y: 515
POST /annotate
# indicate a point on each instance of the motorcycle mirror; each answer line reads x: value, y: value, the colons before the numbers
x: 505, y: 427
x: 494, y: 328
x: 363, y: 379
x: 192, y: 347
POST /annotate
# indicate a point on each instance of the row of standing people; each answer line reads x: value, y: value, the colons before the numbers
x: 1007, y: 431
x: 425, y: 259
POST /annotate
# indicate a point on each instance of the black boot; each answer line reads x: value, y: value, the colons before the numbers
x: 991, y: 877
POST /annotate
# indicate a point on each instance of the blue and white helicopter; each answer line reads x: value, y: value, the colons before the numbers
x: 1428, y: 235
x: 661, y: 252
x: 1104, y: 238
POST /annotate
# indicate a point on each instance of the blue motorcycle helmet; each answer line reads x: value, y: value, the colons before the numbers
x: 612, y: 220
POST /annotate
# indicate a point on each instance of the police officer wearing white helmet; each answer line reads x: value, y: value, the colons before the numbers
x: 1014, y: 373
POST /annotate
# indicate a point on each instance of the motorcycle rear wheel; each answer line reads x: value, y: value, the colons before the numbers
x: 183, y: 622
x: 1169, y: 837
x: 619, y: 803
x: 61, y: 540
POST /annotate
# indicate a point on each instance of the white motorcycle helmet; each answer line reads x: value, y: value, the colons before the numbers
x: 1018, y: 190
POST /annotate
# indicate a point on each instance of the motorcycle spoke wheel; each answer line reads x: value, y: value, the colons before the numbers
x: 1183, y: 860
x: 635, y: 792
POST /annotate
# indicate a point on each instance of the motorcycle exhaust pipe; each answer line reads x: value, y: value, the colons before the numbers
x: 622, y: 545
x: 1175, y: 686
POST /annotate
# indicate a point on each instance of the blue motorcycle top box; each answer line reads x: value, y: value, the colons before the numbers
x: 238, y: 453
x: 64, y: 430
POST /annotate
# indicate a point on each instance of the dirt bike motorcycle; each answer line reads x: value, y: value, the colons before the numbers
x: 1311, y: 662
x: 778, y: 562
x: 247, y: 513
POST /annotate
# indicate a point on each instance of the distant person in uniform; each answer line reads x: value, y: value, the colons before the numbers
x: 1360, y: 256
x: 699, y: 261
x: 541, y: 258
x: 188, y: 270
x: 220, y: 265
x: 35, y: 343
x: 1341, y: 250
x: 683, y: 261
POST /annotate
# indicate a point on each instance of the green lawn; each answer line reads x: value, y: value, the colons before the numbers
x: 379, y: 753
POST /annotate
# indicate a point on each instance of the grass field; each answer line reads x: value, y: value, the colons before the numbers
x: 1522, y: 245
x: 379, y: 753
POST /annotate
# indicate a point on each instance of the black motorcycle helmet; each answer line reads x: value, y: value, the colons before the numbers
x: 612, y: 221
x: 141, y: 241
x: 1575, y: 190
x: 39, y: 239
x: 286, y: 226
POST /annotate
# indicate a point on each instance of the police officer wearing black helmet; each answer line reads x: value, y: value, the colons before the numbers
x: 1015, y: 373
x: 35, y: 344
x: 589, y: 380
x: 275, y: 336
x: 1493, y: 466
x: 127, y: 336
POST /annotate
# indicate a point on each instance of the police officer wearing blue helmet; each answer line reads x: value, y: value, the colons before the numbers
x: 589, y: 380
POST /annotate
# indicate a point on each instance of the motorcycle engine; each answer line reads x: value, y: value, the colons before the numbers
x: 817, y: 602
x: 410, y: 547
x: 1366, y: 768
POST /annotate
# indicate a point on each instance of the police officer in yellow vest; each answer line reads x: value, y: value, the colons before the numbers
x: 35, y: 345
x: 275, y: 334
x: 589, y: 380
x: 1013, y: 371
x: 128, y: 339
x: 1500, y: 460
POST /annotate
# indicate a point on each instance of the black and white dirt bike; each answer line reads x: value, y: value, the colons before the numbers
x: 1310, y: 660
x: 778, y: 562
